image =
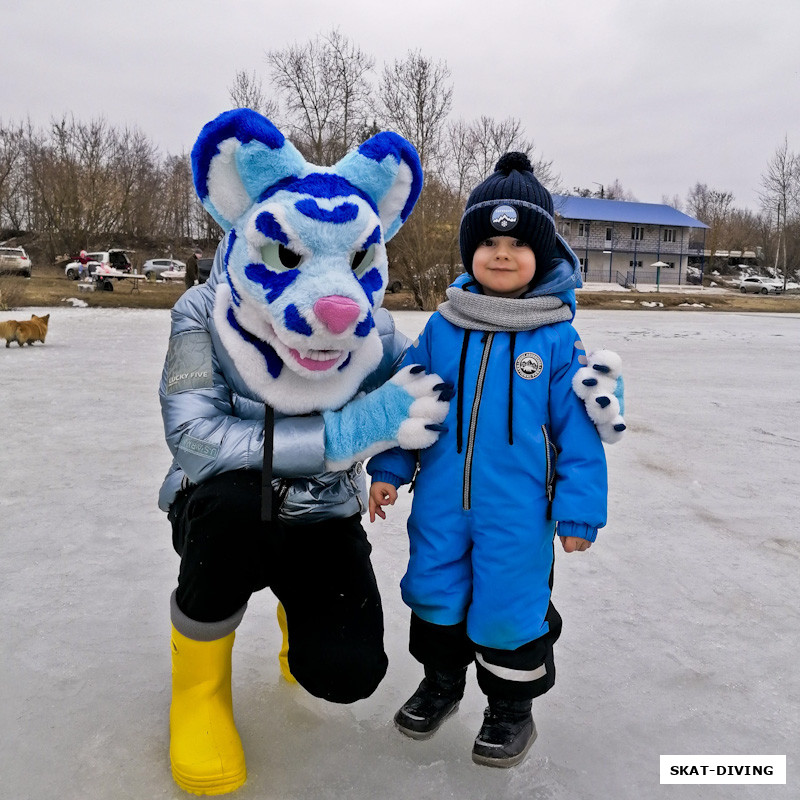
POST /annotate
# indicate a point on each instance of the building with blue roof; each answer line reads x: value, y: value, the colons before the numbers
x: 617, y: 240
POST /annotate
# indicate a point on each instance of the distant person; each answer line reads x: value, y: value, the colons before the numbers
x: 83, y: 269
x: 519, y: 461
x: 192, y: 273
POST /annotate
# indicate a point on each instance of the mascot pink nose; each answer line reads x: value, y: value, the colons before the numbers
x: 337, y: 312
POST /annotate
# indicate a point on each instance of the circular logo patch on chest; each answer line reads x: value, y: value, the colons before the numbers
x: 529, y: 366
x: 504, y: 218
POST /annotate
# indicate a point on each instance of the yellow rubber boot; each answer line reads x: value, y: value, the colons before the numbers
x: 283, y: 656
x: 205, y: 748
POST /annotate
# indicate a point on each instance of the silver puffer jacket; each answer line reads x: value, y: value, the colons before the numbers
x: 214, y: 423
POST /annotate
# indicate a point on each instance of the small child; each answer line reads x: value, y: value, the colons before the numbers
x: 519, y: 461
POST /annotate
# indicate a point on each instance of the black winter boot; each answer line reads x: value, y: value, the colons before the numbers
x: 506, y: 735
x: 436, y: 698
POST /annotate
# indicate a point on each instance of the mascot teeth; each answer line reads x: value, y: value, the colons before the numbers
x: 317, y: 359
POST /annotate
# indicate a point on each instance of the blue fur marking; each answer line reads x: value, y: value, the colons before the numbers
x: 619, y: 393
x: 374, y: 238
x: 269, y: 226
x: 242, y: 124
x: 391, y: 144
x: 365, y: 326
x: 346, y: 212
x: 295, y: 321
x: 345, y: 363
x: 274, y: 363
x: 324, y: 186
x: 231, y: 242
x: 283, y: 183
x: 274, y: 283
x: 237, y: 300
x: 371, y: 282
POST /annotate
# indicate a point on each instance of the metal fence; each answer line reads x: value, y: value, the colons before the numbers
x: 665, y: 277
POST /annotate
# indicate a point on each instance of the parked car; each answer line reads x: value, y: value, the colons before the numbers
x: 155, y: 267
x: 102, y: 259
x: 15, y: 261
x: 177, y: 274
x: 759, y: 285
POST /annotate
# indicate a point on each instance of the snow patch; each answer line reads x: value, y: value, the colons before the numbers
x: 680, y: 623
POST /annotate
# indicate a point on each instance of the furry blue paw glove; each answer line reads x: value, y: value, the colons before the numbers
x: 599, y: 384
x: 407, y: 411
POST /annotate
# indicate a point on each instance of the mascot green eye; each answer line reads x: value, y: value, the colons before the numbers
x: 280, y: 258
x: 361, y: 260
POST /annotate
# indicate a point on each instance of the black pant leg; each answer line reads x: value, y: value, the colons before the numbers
x: 444, y: 648
x: 333, y: 609
x: 322, y: 574
x: 524, y: 673
x: 225, y: 548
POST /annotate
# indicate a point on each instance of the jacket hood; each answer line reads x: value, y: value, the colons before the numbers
x: 560, y: 279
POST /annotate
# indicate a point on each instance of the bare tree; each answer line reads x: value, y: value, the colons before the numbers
x: 12, y: 177
x: 414, y: 99
x: 781, y: 194
x: 712, y: 206
x: 616, y: 191
x: 324, y: 87
x: 474, y: 148
x: 247, y: 91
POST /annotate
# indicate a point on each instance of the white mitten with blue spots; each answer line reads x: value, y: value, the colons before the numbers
x: 407, y: 411
x: 599, y: 384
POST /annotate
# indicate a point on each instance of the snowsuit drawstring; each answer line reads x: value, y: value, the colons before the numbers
x: 266, y: 470
x: 460, y: 393
x: 511, y: 360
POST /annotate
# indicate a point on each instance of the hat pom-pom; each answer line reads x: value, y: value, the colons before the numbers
x: 513, y: 161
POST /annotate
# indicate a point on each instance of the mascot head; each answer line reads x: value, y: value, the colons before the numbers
x: 304, y: 261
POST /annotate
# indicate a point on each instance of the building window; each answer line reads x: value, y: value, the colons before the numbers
x: 637, y: 264
x: 637, y: 232
x: 564, y: 228
x: 669, y: 234
x: 582, y: 262
x: 609, y: 234
x: 583, y: 228
x: 671, y: 264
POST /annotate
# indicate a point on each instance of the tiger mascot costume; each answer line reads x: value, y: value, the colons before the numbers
x: 280, y: 379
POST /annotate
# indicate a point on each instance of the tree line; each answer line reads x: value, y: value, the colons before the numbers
x: 79, y: 182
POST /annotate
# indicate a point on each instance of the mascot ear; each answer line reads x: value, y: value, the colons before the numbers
x: 387, y: 168
x: 236, y: 158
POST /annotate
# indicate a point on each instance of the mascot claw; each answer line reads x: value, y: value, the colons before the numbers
x: 599, y: 384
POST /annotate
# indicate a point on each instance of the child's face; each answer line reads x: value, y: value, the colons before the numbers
x: 504, y: 266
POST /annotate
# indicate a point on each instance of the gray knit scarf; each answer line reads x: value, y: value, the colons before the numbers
x: 480, y: 312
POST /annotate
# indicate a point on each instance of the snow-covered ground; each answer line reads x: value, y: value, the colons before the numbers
x: 681, y: 624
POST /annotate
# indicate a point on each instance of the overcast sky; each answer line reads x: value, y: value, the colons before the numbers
x: 659, y: 94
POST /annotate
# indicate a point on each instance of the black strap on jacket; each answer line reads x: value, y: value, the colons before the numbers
x: 266, y: 472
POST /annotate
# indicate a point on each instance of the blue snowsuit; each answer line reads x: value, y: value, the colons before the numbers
x: 520, y: 455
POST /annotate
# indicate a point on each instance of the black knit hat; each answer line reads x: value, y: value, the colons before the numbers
x: 510, y: 202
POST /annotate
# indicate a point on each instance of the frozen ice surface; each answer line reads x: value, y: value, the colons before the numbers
x: 681, y: 623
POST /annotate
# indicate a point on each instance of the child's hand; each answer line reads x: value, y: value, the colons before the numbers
x: 380, y: 494
x: 569, y: 543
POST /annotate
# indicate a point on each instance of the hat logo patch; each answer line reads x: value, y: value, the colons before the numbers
x: 529, y: 366
x: 504, y: 218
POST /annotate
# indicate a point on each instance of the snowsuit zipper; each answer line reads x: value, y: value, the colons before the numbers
x: 473, y: 422
x: 551, y: 456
